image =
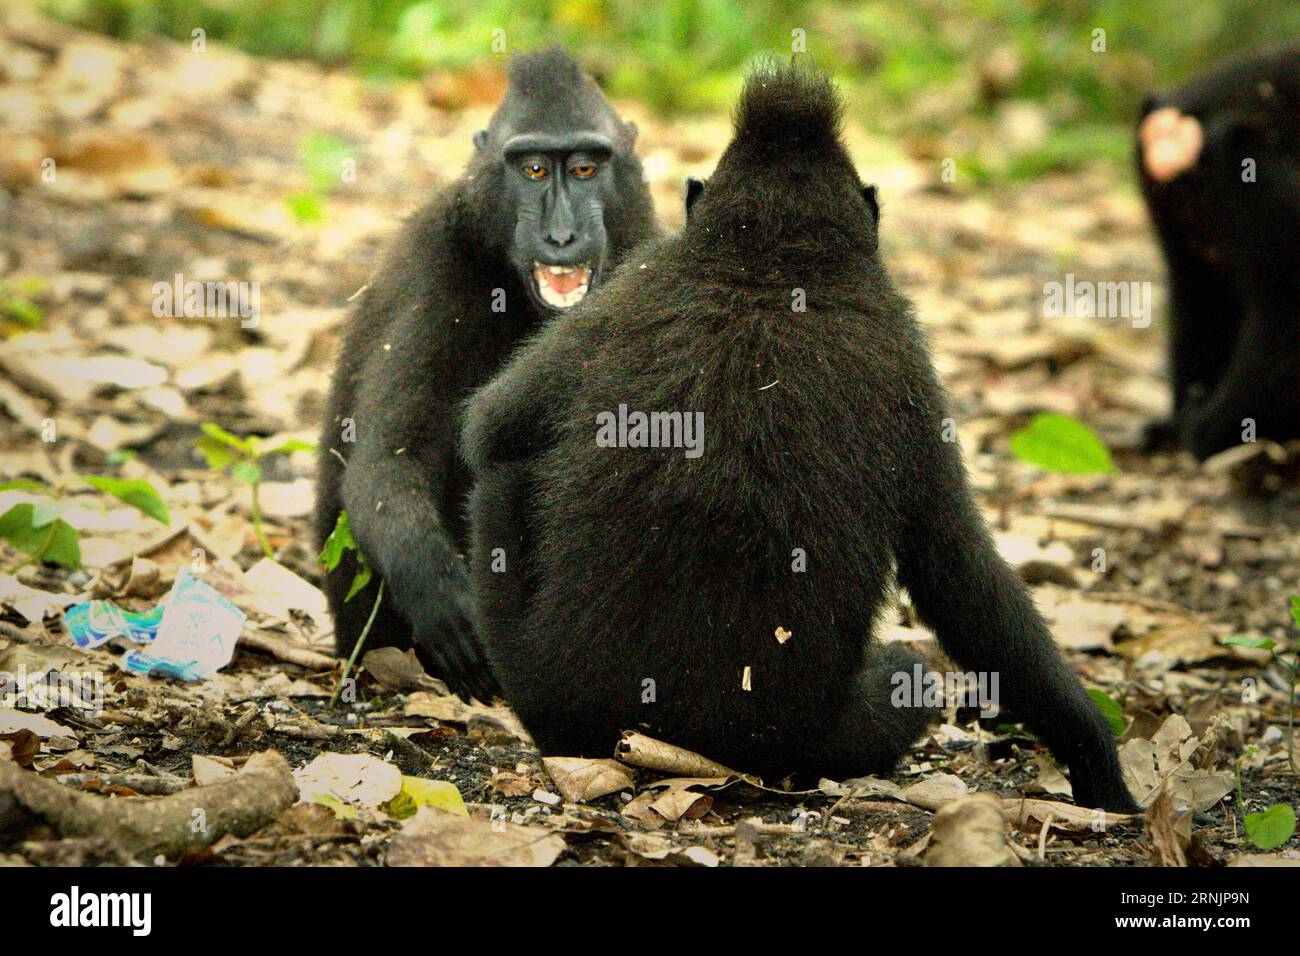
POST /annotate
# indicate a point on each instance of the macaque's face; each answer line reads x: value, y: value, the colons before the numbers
x: 1171, y: 142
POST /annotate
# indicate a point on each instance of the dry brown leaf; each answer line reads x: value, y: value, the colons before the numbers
x: 580, y: 779
x: 1263, y: 859
x: 1050, y: 778
x: 641, y: 810
x: 20, y: 746
x: 361, y: 780
x: 935, y: 791
x: 1146, y: 764
x: 680, y: 802
x: 243, y: 215
x: 435, y: 838
x: 130, y: 164
x: 276, y: 591
x: 510, y: 784
x: 1032, y: 814
x: 970, y: 831
x: 400, y: 671
x: 640, y: 750
x: 208, y: 769
x: 861, y: 787
x: 1170, y: 832
x: 453, y: 710
x: 1078, y: 623
x: 1179, y: 642
x: 13, y: 721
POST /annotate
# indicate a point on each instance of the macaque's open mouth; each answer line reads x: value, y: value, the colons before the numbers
x: 561, y: 287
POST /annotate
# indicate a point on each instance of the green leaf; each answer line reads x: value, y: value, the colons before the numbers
x: 339, y: 541
x: 22, y: 312
x: 27, y: 285
x: 246, y: 473
x: 1110, y: 709
x: 23, y: 484
x: 136, y: 492
x: 16, y: 527
x: 217, y: 433
x: 337, y: 544
x: 306, y: 207
x: 216, y: 454
x: 292, y: 445
x: 56, y: 543
x: 360, y: 579
x: 340, y: 808
x: 1061, y: 444
x: 323, y: 155
x: 417, y: 792
x: 1271, y: 828
x: 1295, y: 609
x: 65, y: 546
x: 1263, y: 643
x: 45, y: 513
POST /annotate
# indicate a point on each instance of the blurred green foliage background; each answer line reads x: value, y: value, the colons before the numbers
x: 907, y: 67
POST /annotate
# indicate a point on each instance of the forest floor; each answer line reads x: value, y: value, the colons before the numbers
x: 209, y: 165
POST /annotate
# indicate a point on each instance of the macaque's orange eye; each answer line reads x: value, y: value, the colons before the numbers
x: 534, y: 170
x: 584, y: 170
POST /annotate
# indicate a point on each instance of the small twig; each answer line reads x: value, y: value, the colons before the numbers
x: 399, y: 745
x: 244, y: 719
x: 307, y: 729
x: 356, y: 649
x: 288, y: 652
x: 19, y: 634
x: 1042, y: 835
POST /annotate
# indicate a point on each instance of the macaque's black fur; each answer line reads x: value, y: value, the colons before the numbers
x: 1233, y: 252
x: 424, y: 334
x: 823, y: 432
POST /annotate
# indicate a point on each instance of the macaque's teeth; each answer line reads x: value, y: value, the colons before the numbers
x: 579, y: 277
x: 562, y: 301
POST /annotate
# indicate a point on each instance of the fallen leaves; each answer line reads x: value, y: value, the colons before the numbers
x: 640, y: 750
x: 433, y: 838
x: 579, y: 779
x: 935, y: 792
x: 1037, y: 814
x: 116, y: 164
x: 1168, y: 758
x: 1170, y: 831
x: 353, y: 780
x: 277, y: 592
x: 970, y: 831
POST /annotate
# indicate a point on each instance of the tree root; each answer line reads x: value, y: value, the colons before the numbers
x: 194, y: 818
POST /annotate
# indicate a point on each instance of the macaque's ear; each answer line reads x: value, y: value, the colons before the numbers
x: 480, y: 140
x: 693, y: 189
x: 869, y: 197
x: 631, y: 130
x: 873, y: 204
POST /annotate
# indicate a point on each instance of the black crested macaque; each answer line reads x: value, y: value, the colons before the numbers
x: 1219, y: 162
x: 692, y: 492
x: 552, y: 199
